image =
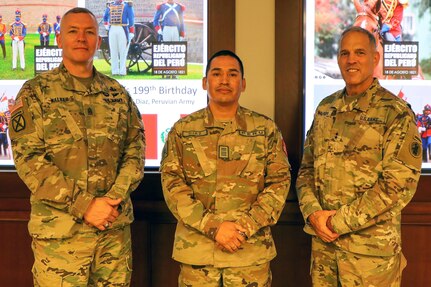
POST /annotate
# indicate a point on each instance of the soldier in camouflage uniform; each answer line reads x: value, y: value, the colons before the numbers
x: 360, y: 168
x: 225, y: 177
x: 78, y: 144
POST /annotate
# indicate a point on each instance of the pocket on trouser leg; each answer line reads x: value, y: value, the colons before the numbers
x: 129, y: 263
x: 54, y: 265
x: 403, y: 264
x: 311, y: 265
x: 43, y: 279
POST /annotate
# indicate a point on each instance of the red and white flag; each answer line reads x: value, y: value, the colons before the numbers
x: 3, y: 98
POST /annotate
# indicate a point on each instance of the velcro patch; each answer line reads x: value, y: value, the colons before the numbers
x: 410, y: 152
x: 415, y: 149
x: 254, y: 133
x: 194, y: 133
x: 18, y: 122
x: 21, y: 120
x: 17, y: 105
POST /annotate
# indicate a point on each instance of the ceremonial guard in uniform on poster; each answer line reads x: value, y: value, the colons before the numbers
x: 424, y: 127
x: 391, y: 15
x: 18, y: 30
x: 44, y: 30
x: 169, y: 21
x: 2, y: 33
x: 56, y: 27
x: 4, y: 143
x: 119, y: 20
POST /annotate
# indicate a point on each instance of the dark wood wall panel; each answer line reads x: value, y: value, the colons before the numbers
x: 290, y: 267
x: 289, y: 76
x: 221, y: 25
x: 154, y: 226
x: 416, y: 249
x: 16, y: 257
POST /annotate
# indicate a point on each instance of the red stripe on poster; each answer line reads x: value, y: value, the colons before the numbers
x: 150, y: 124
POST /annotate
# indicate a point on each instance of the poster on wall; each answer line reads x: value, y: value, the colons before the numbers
x: 163, y: 92
x: 403, y: 33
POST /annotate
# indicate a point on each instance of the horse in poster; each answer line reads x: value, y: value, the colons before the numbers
x: 368, y: 18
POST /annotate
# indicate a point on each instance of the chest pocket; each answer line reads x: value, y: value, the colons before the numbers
x: 250, y: 163
x: 110, y: 122
x: 61, y: 128
x: 244, y: 157
x: 248, y: 159
x: 208, y: 166
x: 364, y: 154
x: 71, y: 124
x: 322, y: 127
x: 199, y: 156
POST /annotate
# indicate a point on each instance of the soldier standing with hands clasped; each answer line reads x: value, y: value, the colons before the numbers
x: 78, y: 144
x: 119, y: 20
x: 169, y: 21
x: 360, y: 168
x: 44, y: 30
x: 225, y: 177
x: 2, y: 33
x: 18, y: 31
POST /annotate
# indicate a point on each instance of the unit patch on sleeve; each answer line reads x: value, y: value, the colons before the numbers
x: 18, y: 122
x: 415, y: 149
x: 21, y: 120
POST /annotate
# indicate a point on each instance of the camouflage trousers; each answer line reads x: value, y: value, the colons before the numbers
x: 102, y: 258
x: 209, y: 276
x: 334, y: 267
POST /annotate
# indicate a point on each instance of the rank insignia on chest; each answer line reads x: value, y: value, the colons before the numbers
x: 223, y: 152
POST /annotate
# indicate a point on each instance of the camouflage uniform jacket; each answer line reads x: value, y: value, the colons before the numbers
x: 72, y: 144
x: 363, y: 160
x: 212, y: 173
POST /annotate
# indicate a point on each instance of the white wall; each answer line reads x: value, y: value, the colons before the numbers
x: 255, y: 45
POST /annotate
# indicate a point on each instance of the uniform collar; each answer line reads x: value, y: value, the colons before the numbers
x: 362, y: 103
x: 238, y: 123
x: 70, y: 83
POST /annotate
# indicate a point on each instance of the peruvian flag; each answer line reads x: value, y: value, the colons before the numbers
x: 401, y: 95
x: 3, y: 98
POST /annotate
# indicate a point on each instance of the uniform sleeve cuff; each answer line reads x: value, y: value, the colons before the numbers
x: 80, y: 205
x: 339, y: 225
x: 248, y: 223
x: 211, y: 225
x: 309, y: 212
x: 117, y: 192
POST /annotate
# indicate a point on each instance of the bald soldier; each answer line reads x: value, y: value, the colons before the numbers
x: 360, y: 168
x: 78, y: 144
x: 225, y: 177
